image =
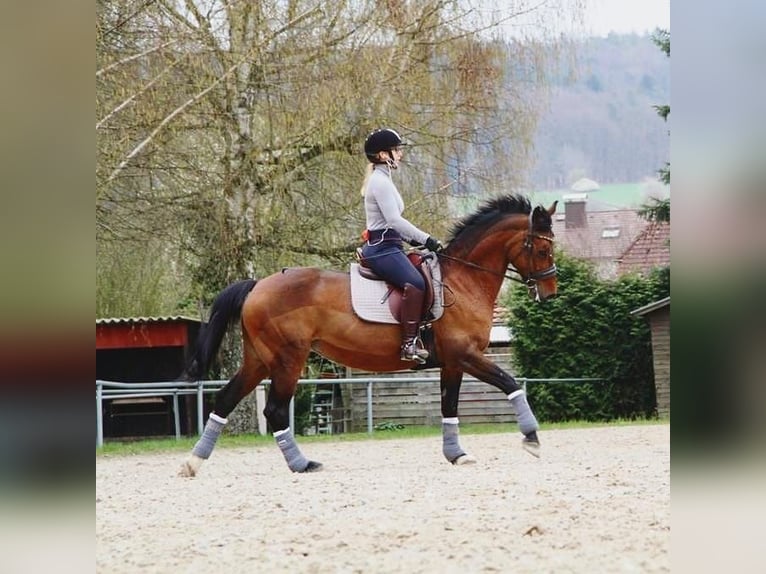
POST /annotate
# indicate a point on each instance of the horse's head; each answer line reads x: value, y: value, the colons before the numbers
x: 507, y: 231
x: 535, y: 262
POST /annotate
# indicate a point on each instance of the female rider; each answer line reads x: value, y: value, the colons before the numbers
x: 386, y: 229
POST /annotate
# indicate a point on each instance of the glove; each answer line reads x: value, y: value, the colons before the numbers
x: 434, y: 245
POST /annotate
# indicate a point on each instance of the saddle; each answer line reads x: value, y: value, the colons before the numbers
x: 378, y: 301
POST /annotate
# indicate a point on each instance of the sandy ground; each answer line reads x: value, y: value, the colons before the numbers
x: 598, y: 500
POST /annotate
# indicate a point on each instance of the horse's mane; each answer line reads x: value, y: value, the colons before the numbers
x: 486, y: 216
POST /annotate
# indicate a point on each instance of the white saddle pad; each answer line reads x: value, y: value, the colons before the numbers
x: 369, y: 300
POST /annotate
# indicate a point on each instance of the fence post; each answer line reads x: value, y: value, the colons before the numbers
x: 176, y: 420
x: 260, y: 404
x: 200, y: 408
x: 99, y: 414
x: 369, y: 407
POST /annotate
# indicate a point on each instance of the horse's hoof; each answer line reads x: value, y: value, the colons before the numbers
x: 191, y: 465
x: 313, y: 466
x: 464, y: 459
x: 531, y: 446
x: 187, y: 470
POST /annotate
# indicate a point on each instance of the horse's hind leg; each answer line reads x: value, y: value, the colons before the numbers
x: 277, y: 412
x: 228, y: 397
x: 450, y: 393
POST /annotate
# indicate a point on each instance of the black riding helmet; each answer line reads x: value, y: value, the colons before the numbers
x: 384, y: 139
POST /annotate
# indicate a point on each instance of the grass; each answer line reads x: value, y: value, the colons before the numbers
x: 185, y: 444
x: 618, y: 195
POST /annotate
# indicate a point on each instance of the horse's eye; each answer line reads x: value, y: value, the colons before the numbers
x: 542, y: 253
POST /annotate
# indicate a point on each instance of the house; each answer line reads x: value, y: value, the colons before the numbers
x: 601, y: 237
x: 658, y: 314
x: 650, y: 250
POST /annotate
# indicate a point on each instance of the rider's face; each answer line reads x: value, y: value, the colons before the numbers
x: 396, y: 155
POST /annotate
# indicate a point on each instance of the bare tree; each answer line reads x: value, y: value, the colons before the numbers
x: 230, y: 131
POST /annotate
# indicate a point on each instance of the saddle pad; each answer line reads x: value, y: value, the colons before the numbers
x: 367, y: 298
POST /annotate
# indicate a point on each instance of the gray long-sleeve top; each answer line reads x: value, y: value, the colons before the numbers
x: 383, y: 206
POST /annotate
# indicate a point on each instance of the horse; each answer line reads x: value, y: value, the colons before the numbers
x: 292, y: 312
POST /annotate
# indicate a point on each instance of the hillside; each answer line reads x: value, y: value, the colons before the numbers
x: 600, y: 122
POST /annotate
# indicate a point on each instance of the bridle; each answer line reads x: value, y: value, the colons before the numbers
x: 530, y: 280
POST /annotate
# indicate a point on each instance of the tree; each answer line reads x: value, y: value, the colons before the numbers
x: 659, y: 209
x: 588, y: 332
x: 229, y: 132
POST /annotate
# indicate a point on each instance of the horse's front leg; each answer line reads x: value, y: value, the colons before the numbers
x: 485, y: 370
x: 450, y: 389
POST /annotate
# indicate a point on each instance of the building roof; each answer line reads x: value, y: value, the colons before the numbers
x: 136, y: 320
x: 585, y: 184
x: 651, y: 307
x: 650, y: 250
x: 604, y: 238
x: 143, y: 332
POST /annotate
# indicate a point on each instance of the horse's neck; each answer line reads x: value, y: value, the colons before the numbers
x: 482, y: 276
x: 491, y: 258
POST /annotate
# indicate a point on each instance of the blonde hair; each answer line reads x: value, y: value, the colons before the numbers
x: 367, y: 174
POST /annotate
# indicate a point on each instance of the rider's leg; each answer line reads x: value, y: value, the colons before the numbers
x: 389, y: 262
x: 411, y: 310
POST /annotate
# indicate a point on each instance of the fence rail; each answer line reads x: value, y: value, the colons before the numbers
x: 108, y: 390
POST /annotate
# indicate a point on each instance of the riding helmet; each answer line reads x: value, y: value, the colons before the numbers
x: 383, y: 139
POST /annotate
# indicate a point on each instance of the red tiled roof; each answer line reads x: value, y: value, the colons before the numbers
x: 603, y: 240
x: 651, y: 249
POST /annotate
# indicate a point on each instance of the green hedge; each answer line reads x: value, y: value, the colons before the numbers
x: 588, y: 331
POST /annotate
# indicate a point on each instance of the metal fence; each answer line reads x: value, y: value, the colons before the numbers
x: 106, y: 390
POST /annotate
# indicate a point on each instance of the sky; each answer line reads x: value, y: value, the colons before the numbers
x: 600, y: 17
x: 626, y: 16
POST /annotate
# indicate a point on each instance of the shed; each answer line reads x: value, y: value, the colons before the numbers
x: 658, y: 314
x: 139, y: 350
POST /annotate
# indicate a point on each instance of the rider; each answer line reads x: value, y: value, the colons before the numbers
x: 386, y: 229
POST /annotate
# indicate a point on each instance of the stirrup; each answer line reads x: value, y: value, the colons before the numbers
x: 411, y: 352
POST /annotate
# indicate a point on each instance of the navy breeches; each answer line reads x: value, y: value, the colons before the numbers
x: 387, y: 260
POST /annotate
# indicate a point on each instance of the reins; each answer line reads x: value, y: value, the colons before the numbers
x: 480, y: 268
x: 531, y: 279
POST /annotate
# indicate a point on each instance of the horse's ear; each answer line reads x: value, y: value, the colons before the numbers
x: 552, y: 209
x: 541, y: 217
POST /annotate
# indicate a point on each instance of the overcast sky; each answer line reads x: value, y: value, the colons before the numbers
x: 625, y: 16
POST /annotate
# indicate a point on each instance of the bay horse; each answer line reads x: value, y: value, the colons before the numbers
x: 290, y: 313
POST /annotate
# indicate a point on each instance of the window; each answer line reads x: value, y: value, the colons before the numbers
x: 609, y: 232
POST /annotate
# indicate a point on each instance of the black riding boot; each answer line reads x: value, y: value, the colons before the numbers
x: 412, y: 305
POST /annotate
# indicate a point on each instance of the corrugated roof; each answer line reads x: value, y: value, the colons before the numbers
x: 134, y: 320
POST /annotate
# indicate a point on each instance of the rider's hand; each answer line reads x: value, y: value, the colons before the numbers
x: 434, y: 245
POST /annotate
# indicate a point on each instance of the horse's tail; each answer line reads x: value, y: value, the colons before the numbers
x: 226, y: 309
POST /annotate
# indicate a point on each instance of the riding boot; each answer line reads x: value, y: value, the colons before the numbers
x: 412, y: 306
